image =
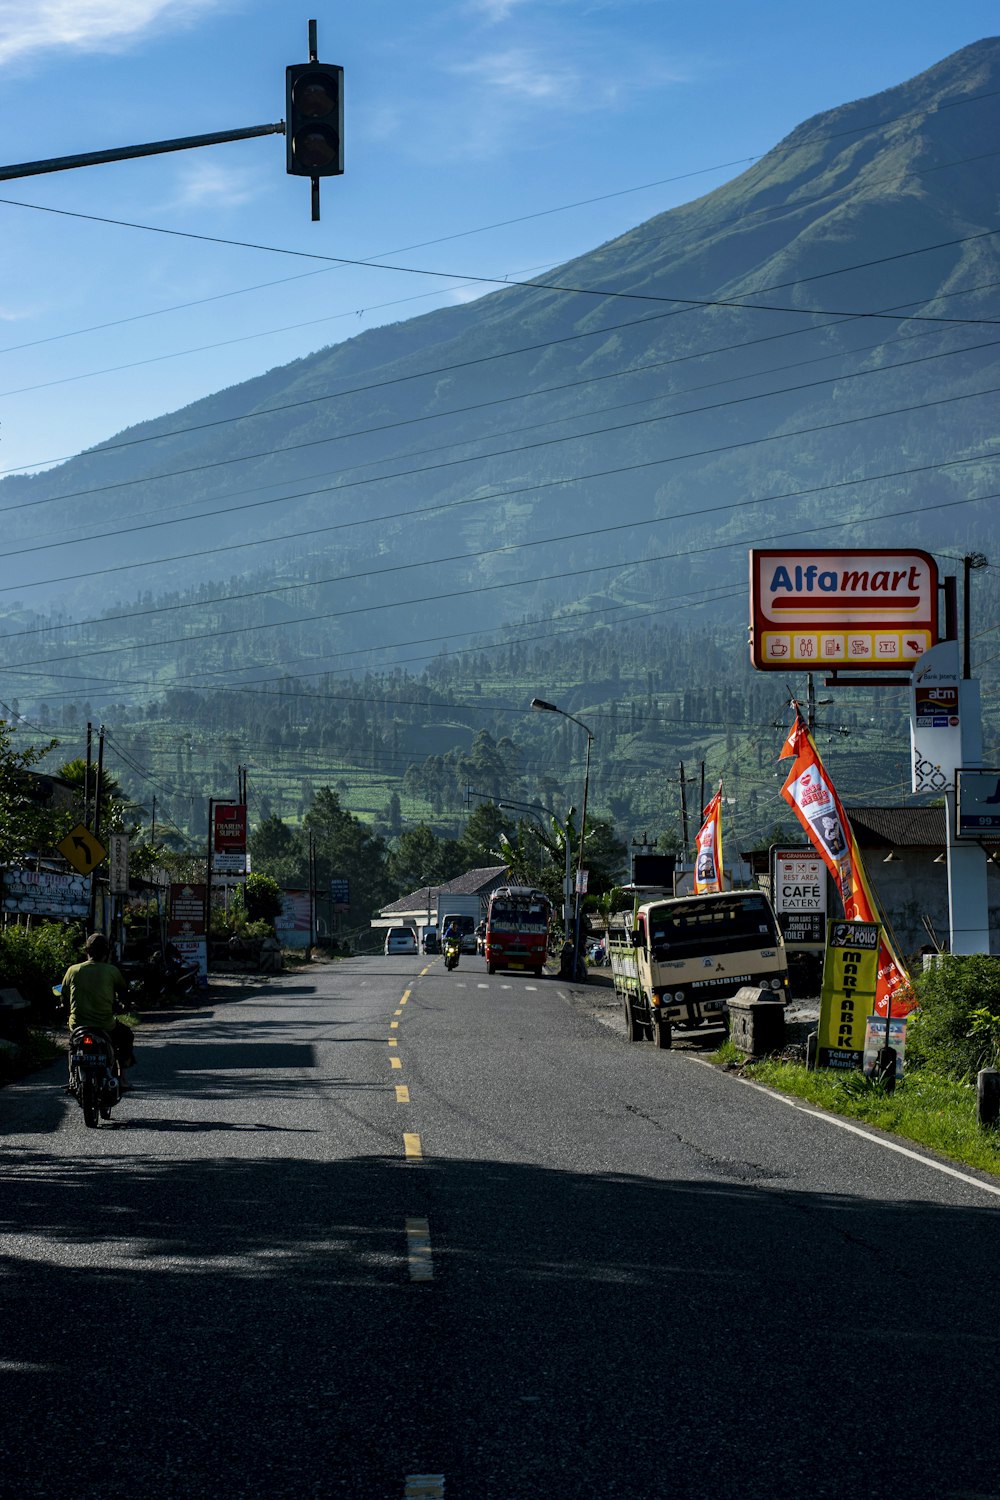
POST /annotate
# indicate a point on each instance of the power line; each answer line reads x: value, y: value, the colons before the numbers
x: 368, y: 573
x: 482, y: 588
x: 283, y: 499
x: 689, y: 304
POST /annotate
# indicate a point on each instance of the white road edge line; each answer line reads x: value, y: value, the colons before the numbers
x: 877, y: 1140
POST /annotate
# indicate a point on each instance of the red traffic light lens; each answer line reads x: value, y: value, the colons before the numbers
x: 315, y: 95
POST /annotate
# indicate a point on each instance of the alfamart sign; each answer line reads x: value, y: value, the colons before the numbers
x: 863, y: 609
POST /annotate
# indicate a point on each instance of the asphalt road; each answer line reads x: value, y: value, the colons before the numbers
x: 381, y: 1231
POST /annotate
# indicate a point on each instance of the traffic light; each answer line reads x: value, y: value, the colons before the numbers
x: 314, y: 119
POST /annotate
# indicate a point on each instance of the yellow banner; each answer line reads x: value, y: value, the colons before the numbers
x: 850, y: 977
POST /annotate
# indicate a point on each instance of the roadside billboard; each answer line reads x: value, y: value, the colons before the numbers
x: 864, y: 609
x: 850, y: 974
x: 186, y: 924
x: 935, y: 724
x: 229, y: 838
x: 799, y: 895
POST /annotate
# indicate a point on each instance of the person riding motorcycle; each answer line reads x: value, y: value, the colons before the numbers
x: 89, y: 990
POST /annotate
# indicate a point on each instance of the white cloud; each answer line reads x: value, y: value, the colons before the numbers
x: 204, y: 183
x: 495, y: 10
x: 520, y: 74
x: 88, y: 25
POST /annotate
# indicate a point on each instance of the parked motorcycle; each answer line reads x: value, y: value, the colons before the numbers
x: 160, y: 976
x: 92, y: 1076
x: 452, y: 949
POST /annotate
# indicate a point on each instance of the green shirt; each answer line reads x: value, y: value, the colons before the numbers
x: 89, y: 990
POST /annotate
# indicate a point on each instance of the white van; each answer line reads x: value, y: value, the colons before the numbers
x: 400, y: 940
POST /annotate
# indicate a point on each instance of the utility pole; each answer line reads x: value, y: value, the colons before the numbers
x: 684, y: 812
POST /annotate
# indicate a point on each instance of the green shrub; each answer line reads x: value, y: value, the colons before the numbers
x: 33, y: 959
x: 957, y: 1028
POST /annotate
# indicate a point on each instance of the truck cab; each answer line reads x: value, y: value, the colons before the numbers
x: 677, y: 961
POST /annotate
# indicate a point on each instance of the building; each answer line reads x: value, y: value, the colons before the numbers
x: 419, y: 908
x: 904, y: 850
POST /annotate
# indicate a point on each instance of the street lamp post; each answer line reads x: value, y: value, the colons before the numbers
x: 551, y: 708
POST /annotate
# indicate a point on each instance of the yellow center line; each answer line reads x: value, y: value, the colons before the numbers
x: 406, y: 996
x: 395, y: 1062
x: 402, y: 1094
x: 414, y: 1150
x: 394, y: 1024
x: 393, y: 1042
x: 425, y: 971
x: 418, y: 1253
x: 397, y: 1012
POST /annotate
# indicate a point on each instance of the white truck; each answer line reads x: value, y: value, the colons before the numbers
x: 467, y: 911
x: 676, y: 961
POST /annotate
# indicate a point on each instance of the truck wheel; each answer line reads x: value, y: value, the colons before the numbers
x: 634, y: 1028
x: 662, y: 1033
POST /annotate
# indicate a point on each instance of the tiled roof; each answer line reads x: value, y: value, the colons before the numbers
x: 472, y: 883
x: 901, y: 827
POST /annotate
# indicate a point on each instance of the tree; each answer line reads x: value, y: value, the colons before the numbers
x: 26, y: 824
x: 480, y: 841
x: 278, y: 851
x: 346, y: 849
x: 422, y: 858
x: 262, y: 898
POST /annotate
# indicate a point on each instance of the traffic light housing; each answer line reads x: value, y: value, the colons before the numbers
x: 314, y: 120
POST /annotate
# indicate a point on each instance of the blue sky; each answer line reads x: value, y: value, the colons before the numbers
x: 461, y: 114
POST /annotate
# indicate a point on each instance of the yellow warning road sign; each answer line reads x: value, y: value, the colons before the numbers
x: 83, y: 851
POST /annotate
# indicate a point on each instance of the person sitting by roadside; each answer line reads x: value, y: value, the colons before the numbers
x: 89, y: 990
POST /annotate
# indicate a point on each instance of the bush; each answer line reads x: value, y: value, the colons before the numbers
x: 957, y: 1028
x: 33, y: 959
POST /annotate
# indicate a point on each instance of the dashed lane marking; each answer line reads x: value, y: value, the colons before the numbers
x: 405, y: 997
x: 395, y: 1062
x: 414, y: 1150
x: 421, y: 1262
x: 394, y: 1024
x: 402, y: 1094
x: 531, y: 987
x: 482, y: 986
x: 393, y: 1042
x: 397, y: 1012
x: 424, y: 1487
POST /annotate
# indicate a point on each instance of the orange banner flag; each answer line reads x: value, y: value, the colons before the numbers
x: 811, y: 795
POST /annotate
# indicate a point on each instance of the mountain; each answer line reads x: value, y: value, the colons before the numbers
x: 801, y: 349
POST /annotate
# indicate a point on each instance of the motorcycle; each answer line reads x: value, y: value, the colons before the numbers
x: 451, y: 952
x: 159, y: 978
x: 92, y: 1076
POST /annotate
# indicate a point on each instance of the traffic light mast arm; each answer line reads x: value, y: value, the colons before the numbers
x: 126, y: 153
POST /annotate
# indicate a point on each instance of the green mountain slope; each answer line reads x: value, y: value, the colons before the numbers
x: 718, y: 379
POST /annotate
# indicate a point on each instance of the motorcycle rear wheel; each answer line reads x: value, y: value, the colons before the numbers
x: 89, y: 1098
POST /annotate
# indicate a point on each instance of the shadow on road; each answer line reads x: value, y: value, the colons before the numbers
x: 252, y: 1327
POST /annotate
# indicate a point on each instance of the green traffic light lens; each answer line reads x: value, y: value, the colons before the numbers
x: 315, y: 95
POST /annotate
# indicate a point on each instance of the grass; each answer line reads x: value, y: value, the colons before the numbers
x: 935, y: 1112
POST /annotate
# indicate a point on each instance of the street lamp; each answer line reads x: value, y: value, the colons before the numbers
x: 551, y: 708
